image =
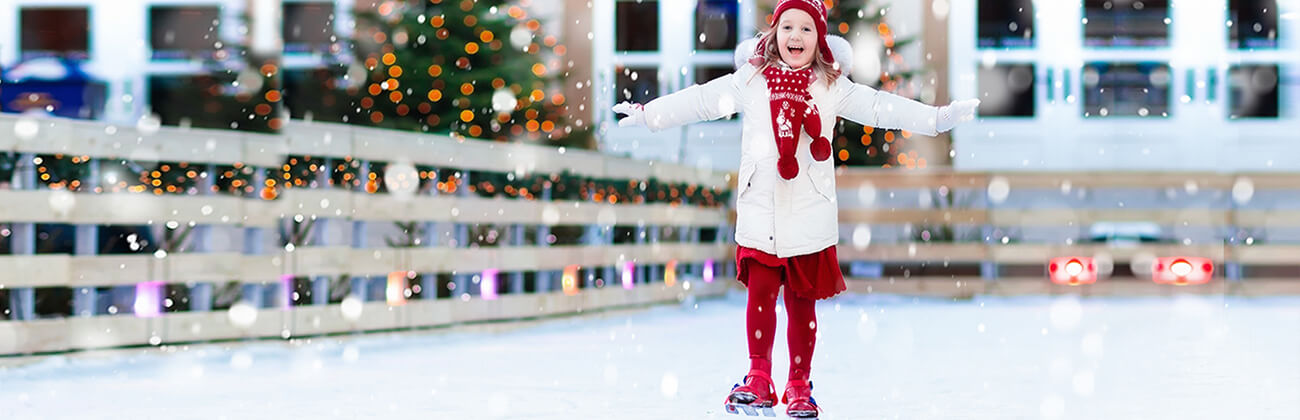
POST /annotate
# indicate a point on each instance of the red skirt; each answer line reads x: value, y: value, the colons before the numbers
x: 811, y: 276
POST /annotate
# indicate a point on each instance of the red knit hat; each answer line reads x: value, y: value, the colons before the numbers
x: 814, y: 8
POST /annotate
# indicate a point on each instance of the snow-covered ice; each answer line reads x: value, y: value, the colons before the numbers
x: 1178, y: 357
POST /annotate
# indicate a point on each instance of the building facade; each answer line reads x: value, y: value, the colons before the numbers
x: 1144, y: 85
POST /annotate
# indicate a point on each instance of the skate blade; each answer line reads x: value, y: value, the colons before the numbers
x: 749, y: 410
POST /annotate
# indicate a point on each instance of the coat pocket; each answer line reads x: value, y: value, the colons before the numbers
x: 745, y: 179
x: 823, y: 180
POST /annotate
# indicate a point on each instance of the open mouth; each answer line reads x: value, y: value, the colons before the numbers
x: 795, y: 51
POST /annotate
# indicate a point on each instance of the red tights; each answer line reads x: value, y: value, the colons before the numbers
x: 760, y: 320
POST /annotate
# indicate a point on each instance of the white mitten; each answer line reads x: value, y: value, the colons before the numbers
x: 635, y: 114
x: 956, y: 113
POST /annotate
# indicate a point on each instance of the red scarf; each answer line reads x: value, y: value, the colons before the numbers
x: 792, y: 111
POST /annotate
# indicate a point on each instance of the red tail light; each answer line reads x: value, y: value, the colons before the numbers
x: 1181, y: 270
x: 1072, y: 271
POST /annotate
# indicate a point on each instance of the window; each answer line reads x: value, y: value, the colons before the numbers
x: 1126, y: 23
x: 1253, y: 91
x: 636, y: 26
x: 207, y: 101
x: 1252, y: 24
x: 62, y: 32
x: 1140, y: 89
x: 1006, y: 90
x: 637, y: 84
x: 308, y: 27
x: 1006, y: 23
x: 715, y: 24
x: 315, y: 94
x: 703, y: 74
x: 182, y: 32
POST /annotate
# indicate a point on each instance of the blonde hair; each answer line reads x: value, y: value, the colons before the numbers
x: 821, y: 65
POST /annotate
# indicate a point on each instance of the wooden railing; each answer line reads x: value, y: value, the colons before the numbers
x: 658, y: 271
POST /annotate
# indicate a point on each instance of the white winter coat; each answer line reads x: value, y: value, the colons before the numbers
x: 774, y: 215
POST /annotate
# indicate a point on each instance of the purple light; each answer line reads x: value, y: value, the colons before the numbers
x: 628, y: 281
x: 708, y: 271
x: 286, y: 290
x: 147, y: 297
x: 487, y: 284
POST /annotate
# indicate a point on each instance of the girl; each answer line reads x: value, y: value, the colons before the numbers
x: 786, y: 217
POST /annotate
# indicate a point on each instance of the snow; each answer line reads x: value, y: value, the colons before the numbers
x: 878, y: 357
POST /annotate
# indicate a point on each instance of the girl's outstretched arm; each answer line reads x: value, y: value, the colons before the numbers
x: 867, y: 106
x: 715, y: 99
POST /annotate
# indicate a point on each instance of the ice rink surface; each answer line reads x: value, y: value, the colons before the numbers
x: 1178, y: 357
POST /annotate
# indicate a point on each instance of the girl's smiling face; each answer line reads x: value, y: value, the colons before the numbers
x: 796, y: 38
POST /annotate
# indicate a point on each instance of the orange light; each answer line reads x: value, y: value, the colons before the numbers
x: 435, y: 70
x: 467, y: 115
x: 389, y: 59
x: 569, y: 281
x: 485, y: 36
x: 670, y: 273
x: 539, y: 69
x: 395, y: 293
x: 271, y: 95
x: 395, y: 71
x: 435, y: 95
x: 471, y: 48
x: 466, y: 89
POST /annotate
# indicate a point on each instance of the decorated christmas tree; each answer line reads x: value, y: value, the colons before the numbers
x: 479, y: 69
